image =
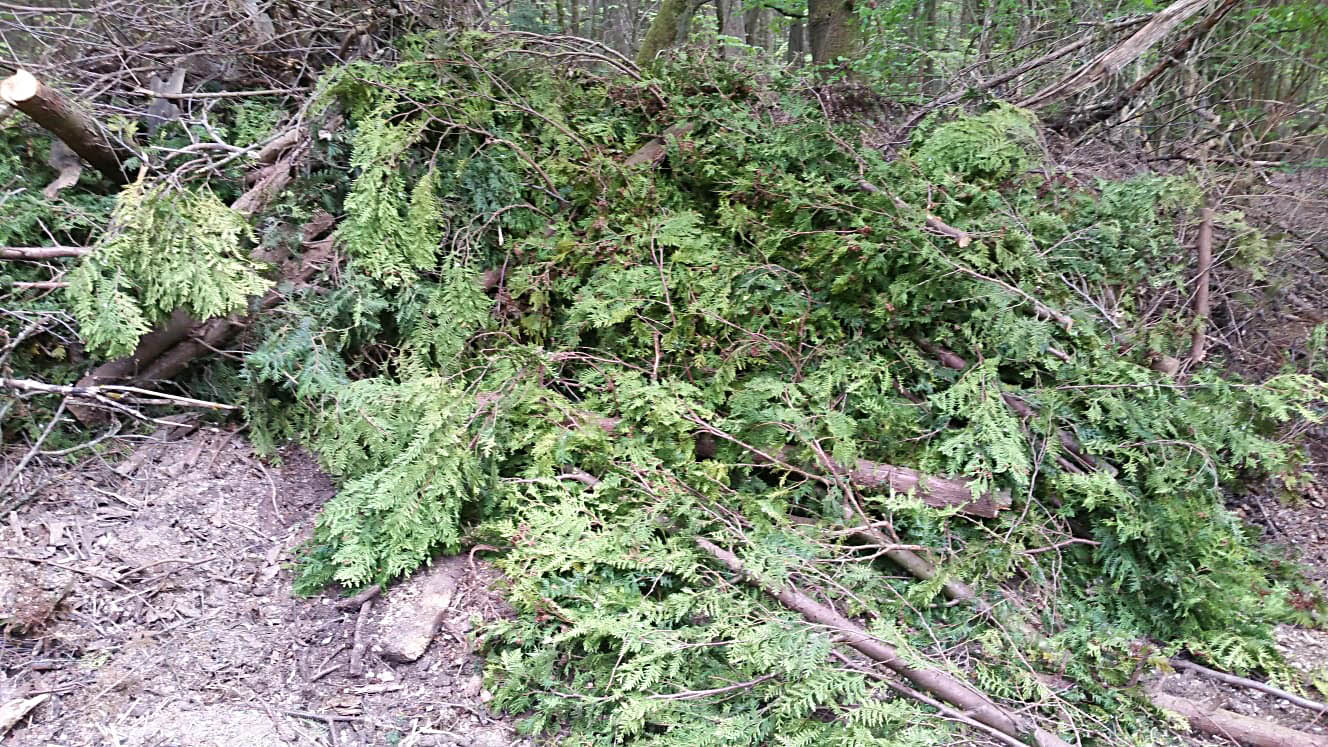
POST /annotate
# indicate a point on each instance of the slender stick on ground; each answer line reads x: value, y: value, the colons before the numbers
x: 942, y: 684
x: 41, y: 252
x: 1199, y: 344
x: 1264, y: 687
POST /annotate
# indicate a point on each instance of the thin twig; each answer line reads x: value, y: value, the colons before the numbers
x: 36, y: 447
x: 110, y: 393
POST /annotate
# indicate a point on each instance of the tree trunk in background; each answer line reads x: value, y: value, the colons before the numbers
x: 730, y: 19
x: 927, y: 42
x: 669, y: 26
x: 832, y: 30
x: 575, y: 28
x: 616, y: 32
x: 797, y: 43
x: 561, y: 12
x: 757, y: 25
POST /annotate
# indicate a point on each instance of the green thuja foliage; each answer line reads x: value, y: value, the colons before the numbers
x: 166, y: 249
x: 590, y: 366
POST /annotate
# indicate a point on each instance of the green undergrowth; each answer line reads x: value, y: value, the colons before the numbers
x: 532, y: 346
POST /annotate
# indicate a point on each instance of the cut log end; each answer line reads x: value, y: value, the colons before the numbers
x: 19, y: 87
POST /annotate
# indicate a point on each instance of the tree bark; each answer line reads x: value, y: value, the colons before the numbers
x: 797, y: 43
x: 668, y: 28
x: 833, y: 31
x: 62, y: 118
x: 1228, y: 725
x: 731, y: 24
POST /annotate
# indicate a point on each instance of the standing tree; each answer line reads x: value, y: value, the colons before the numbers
x: 833, y: 30
x: 669, y: 26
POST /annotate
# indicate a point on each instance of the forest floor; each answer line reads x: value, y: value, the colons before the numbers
x: 159, y: 612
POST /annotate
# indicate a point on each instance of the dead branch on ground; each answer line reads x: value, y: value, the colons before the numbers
x: 944, y: 685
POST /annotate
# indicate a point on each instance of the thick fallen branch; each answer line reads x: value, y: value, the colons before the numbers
x: 1115, y: 59
x: 37, y: 253
x: 1223, y: 723
x: 865, y: 669
x: 1073, y: 123
x: 937, y: 492
x: 1068, y: 441
x: 944, y: 685
x: 208, y: 336
x: 58, y: 115
x: 934, y: 491
x: 194, y: 338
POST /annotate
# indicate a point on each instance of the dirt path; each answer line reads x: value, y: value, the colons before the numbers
x: 157, y: 611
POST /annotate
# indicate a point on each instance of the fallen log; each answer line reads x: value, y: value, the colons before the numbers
x: 1220, y: 722
x: 68, y: 122
x: 1115, y: 59
x: 972, y: 702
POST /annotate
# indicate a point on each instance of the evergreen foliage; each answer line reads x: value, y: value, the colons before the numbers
x: 165, y: 250
x: 772, y: 287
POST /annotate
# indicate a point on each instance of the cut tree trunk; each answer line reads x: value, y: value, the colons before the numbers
x: 62, y: 118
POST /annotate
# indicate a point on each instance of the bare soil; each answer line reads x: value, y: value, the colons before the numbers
x: 156, y: 610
